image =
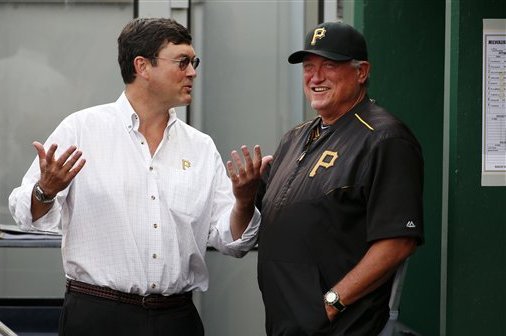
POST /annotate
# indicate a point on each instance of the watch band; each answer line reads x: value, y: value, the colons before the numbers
x: 339, y: 306
x: 332, y: 298
x: 41, y: 196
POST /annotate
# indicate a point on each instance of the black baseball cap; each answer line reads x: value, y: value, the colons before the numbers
x: 333, y: 40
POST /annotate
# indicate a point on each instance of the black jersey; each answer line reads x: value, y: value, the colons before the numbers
x: 330, y: 194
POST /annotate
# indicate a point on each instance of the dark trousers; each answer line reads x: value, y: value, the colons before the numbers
x: 85, y: 315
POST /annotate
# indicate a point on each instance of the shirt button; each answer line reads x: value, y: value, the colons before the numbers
x: 142, y: 142
x: 154, y: 255
x: 155, y: 226
x: 153, y: 286
x: 153, y: 197
x: 150, y: 168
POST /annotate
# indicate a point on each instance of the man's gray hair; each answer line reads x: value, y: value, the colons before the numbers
x: 356, y: 64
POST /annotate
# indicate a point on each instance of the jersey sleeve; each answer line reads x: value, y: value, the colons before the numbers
x: 395, y: 193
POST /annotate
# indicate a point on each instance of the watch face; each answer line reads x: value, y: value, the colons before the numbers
x: 38, y: 193
x: 330, y: 297
x: 40, y: 196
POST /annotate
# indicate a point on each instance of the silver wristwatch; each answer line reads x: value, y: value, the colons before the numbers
x: 40, y: 195
x: 331, y: 298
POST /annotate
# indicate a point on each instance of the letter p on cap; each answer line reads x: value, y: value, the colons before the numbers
x: 318, y: 33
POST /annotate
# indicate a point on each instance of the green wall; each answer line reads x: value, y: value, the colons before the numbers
x: 476, y: 215
x: 406, y: 49
x: 427, y: 68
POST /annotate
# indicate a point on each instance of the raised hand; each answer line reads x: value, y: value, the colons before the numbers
x: 245, y: 174
x: 56, y: 174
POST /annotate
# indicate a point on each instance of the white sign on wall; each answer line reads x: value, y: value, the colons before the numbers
x: 494, y: 103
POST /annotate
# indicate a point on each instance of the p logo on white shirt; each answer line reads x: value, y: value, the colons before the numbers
x: 186, y: 164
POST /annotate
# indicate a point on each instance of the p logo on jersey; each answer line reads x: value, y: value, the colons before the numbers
x: 326, y: 160
x: 186, y: 164
x: 318, y: 34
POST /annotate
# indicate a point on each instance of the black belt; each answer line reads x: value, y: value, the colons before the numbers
x: 152, y: 301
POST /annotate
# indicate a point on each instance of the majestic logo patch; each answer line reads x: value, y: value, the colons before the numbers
x: 186, y: 164
x: 318, y: 33
x: 323, y: 163
x: 410, y: 224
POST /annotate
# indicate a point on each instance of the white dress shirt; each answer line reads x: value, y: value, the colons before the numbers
x: 131, y: 221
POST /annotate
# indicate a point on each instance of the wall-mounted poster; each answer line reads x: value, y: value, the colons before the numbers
x: 494, y: 103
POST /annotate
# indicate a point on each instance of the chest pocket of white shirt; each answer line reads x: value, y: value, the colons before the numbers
x: 186, y: 192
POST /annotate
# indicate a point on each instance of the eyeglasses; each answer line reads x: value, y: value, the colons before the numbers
x: 183, y: 62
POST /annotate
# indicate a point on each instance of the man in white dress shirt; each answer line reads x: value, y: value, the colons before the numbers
x: 139, y: 195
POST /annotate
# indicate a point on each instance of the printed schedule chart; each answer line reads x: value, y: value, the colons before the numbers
x: 494, y: 103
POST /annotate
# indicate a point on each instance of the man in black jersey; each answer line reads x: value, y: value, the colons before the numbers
x: 342, y: 206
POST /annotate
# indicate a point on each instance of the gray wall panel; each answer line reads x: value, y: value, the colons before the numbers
x: 251, y: 94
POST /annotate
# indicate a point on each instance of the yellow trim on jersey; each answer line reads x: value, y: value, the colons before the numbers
x: 363, y: 122
x: 303, y: 124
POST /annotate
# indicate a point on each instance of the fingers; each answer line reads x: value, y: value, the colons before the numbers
x: 236, y: 169
x: 257, y: 161
x: 250, y: 167
x: 232, y: 172
x: 45, y: 159
x: 57, y: 173
x: 266, y: 161
x: 245, y: 167
x: 77, y: 168
x: 41, y: 153
x: 245, y: 175
x: 62, y: 160
x: 40, y: 149
x: 50, y: 153
x: 69, y: 164
x: 238, y: 161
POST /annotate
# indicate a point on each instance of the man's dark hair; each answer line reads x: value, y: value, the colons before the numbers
x: 146, y: 37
